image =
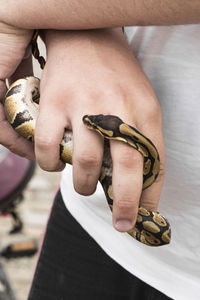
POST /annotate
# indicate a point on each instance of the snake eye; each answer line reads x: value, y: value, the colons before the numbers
x: 96, y: 120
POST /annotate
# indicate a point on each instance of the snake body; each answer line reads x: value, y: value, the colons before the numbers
x: 21, y: 108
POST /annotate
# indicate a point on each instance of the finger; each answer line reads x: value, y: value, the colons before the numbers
x: 127, y: 184
x: 49, y: 132
x: 14, y: 42
x: 11, y: 140
x: 151, y: 196
x: 87, y: 157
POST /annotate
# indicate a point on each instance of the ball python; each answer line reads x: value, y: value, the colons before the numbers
x: 21, y: 109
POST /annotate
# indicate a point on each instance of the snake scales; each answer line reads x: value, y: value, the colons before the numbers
x: 21, y: 108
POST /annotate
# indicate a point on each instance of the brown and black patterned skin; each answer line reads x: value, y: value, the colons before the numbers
x: 21, y: 110
x: 151, y: 228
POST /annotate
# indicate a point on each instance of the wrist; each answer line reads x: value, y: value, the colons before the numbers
x: 103, y: 37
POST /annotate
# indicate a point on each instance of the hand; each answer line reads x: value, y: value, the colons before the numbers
x: 94, y: 72
x: 15, y: 62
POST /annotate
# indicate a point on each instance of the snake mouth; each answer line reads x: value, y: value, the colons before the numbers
x: 91, y: 121
x: 86, y: 120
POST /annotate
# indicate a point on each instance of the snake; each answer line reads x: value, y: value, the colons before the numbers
x: 21, y: 109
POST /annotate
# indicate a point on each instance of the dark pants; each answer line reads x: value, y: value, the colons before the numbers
x: 72, y: 266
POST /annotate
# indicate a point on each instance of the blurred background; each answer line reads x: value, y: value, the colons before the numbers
x: 33, y: 210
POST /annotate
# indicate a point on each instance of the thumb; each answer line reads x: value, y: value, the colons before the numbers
x: 13, y: 44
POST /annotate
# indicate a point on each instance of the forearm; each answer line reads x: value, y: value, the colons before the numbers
x: 87, y: 14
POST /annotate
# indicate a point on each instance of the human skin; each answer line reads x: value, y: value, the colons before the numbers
x: 97, y: 73
x: 13, y: 43
x: 90, y: 14
x: 82, y: 15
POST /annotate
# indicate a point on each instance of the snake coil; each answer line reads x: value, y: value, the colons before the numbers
x: 21, y: 108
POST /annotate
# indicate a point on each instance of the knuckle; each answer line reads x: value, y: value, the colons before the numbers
x: 14, y: 146
x: 127, y: 204
x: 162, y: 172
x: 161, y: 175
x: 87, y: 159
x: 154, y: 112
x: 85, y: 187
x: 44, y: 143
x: 85, y: 182
x: 85, y: 190
x: 128, y: 157
x: 49, y: 166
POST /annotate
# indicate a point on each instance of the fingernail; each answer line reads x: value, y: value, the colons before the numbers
x: 123, y: 225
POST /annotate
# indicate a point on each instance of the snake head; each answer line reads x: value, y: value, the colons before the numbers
x: 91, y: 121
x: 106, y: 125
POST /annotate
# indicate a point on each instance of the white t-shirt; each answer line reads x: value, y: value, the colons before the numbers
x: 170, y: 56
